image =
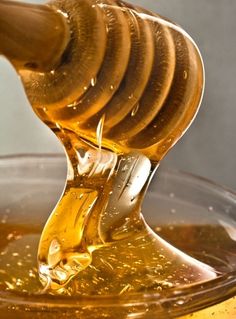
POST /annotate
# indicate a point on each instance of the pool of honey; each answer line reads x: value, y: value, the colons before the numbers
x: 19, y: 274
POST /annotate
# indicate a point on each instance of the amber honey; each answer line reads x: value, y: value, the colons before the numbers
x: 126, y: 89
x: 19, y: 271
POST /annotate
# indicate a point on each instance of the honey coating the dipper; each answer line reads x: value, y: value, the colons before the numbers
x: 127, y: 87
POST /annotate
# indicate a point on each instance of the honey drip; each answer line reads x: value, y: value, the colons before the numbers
x: 128, y: 86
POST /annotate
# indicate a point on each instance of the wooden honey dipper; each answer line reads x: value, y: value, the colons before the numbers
x: 144, y: 76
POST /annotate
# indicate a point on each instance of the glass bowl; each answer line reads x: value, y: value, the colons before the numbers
x: 30, y: 186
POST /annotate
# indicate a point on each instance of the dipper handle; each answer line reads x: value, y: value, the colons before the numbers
x: 32, y: 36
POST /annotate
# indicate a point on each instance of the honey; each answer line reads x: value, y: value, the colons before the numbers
x: 126, y: 89
x: 19, y: 273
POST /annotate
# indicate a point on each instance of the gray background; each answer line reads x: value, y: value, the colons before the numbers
x: 208, y: 148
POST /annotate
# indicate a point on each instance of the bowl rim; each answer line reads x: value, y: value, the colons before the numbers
x: 167, y: 170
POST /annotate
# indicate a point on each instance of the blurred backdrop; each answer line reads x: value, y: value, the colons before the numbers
x: 209, y: 147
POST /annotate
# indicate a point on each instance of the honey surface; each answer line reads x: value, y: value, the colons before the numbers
x: 18, y: 270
